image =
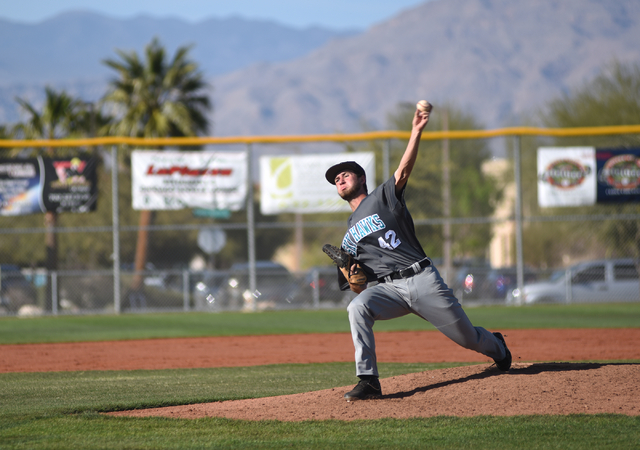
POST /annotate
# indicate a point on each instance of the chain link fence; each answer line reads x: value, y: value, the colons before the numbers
x: 475, y: 214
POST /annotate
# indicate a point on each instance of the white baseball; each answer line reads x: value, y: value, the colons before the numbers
x: 424, y: 106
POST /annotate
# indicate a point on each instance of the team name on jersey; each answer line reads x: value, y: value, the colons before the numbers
x: 360, y: 230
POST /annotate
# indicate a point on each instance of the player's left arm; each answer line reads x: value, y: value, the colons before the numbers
x: 420, y: 120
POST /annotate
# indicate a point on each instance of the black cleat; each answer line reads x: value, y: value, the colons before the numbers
x: 365, y: 389
x: 505, y: 363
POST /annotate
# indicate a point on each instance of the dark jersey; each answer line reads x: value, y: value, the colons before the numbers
x: 381, y: 233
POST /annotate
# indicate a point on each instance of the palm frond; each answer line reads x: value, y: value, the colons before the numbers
x: 157, y: 96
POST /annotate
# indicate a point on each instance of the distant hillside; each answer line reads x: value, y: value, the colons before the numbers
x: 67, y: 50
x: 499, y: 59
x: 71, y: 46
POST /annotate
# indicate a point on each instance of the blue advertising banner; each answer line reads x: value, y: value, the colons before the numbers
x: 618, y: 177
x: 37, y: 185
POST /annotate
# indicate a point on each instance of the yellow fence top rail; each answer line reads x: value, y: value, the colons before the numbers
x: 347, y: 137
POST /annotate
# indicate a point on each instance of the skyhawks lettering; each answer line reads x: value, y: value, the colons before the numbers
x: 360, y: 230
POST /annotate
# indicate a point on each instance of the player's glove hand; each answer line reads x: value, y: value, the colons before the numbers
x: 348, y: 266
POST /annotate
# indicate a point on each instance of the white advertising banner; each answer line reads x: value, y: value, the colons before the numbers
x: 175, y: 180
x: 566, y: 176
x: 296, y: 184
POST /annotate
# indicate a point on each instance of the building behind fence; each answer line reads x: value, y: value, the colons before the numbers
x: 483, y: 228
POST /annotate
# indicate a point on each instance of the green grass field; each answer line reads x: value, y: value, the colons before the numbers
x: 150, y: 326
x: 62, y: 409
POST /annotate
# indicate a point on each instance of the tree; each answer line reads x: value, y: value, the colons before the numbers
x: 5, y: 133
x: 612, y: 97
x: 60, y: 117
x: 156, y: 97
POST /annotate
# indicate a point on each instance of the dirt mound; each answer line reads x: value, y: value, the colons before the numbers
x: 542, y: 388
x: 531, y: 387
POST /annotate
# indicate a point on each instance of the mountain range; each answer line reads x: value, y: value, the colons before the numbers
x: 498, y: 59
x: 68, y: 50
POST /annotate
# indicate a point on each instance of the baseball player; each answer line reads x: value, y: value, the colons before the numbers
x: 382, y: 243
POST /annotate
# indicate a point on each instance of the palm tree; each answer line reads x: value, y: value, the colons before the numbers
x: 60, y: 117
x: 156, y: 98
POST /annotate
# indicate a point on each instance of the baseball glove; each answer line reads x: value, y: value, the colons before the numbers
x: 348, y: 266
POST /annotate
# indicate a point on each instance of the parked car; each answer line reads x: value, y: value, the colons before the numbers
x: 15, y: 290
x: 501, y: 281
x: 276, y: 287
x: 613, y: 280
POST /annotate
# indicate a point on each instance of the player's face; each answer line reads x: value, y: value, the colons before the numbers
x: 349, y: 185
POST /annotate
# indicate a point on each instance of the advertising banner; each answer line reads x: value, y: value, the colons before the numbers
x: 566, y: 176
x: 618, y: 175
x: 168, y: 180
x: 70, y: 184
x: 296, y: 183
x: 37, y: 185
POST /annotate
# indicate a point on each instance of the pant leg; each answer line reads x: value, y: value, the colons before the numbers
x: 379, y: 302
x: 431, y: 299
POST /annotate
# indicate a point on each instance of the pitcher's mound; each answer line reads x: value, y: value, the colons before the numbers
x: 539, y: 388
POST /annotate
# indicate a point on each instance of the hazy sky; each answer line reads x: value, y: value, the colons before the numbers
x: 299, y: 13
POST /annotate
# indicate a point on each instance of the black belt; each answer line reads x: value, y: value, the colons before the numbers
x: 406, y: 273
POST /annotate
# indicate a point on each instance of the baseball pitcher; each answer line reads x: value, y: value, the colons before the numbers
x: 381, y: 260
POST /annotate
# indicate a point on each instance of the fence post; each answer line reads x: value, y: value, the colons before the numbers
x: 251, y: 232
x: 186, y: 288
x: 115, y: 218
x: 316, y: 289
x: 518, y: 215
x: 54, y: 292
x: 446, y: 203
x: 567, y: 286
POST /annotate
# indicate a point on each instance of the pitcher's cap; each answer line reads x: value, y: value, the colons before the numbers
x: 347, y: 166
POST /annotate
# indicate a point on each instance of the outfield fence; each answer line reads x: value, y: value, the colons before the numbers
x: 476, y: 214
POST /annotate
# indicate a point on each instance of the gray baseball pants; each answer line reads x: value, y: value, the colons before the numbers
x: 425, y: 295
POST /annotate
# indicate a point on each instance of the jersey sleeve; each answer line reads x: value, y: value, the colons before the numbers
x: 389, y: 194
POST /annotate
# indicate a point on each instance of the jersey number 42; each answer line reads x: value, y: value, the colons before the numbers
x: 391, y: 240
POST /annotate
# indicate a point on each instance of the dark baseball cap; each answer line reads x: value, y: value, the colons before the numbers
x: 347, y: 166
